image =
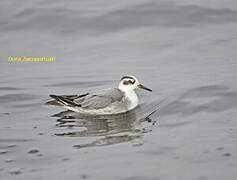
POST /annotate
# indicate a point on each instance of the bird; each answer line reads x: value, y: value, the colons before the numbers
x: 104, y: 102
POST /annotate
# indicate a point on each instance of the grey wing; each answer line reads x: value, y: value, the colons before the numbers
x: 101, y: 99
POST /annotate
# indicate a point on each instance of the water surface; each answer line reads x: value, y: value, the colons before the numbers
x: 185, y: 51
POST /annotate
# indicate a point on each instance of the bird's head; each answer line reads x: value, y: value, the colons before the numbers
x: 130, y: 83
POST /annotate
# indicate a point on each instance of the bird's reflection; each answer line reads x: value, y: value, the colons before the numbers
x: 104, y: 129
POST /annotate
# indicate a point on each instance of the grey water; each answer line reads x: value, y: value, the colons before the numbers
x: 185, y: 51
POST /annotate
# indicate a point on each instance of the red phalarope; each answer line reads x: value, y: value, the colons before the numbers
x: 109, y: 101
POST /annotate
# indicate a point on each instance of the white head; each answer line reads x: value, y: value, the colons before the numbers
x: 130, y: 83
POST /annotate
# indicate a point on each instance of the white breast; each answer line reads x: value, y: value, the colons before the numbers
x: 132, y: 99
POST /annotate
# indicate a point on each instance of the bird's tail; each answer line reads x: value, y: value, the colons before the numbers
x: 64, y: 101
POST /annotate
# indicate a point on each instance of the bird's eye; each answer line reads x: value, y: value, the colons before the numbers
x: 128, y: 82
x: 125, y: 82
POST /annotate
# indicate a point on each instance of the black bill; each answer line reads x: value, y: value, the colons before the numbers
x: 143, y: 87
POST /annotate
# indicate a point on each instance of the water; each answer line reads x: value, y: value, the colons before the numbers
x: 185, y: 51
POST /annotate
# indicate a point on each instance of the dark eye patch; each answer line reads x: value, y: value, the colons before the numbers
x: 128, y: 82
